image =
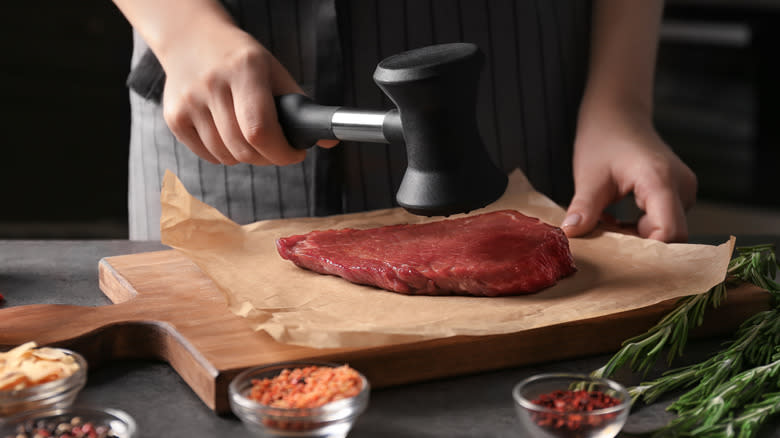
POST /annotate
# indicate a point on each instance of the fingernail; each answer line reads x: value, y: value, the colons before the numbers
x: 572, y: 220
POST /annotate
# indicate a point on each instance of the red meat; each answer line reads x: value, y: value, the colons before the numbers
x: 493, y: 254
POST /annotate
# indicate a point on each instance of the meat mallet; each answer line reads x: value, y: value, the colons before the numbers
x: 434, y: 90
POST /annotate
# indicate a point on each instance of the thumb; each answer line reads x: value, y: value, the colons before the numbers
x: 591, y: 197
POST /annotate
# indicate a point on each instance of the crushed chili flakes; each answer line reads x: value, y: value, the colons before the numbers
x: 571, y: 408
x: 307, y: 387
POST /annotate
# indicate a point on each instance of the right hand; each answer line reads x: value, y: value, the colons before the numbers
x: 218, y: 99
x: 618, y: 151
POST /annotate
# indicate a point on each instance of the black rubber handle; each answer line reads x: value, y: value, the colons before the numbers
x: 304, y: 121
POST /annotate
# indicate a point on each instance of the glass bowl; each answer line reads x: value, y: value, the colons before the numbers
x: 333, y: 419
x: 57, y: 393
x: 545, y: 422
x: 116, y: 423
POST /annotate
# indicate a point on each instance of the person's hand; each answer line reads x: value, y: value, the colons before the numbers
x: 220, y: 82
x: 218, y: 99
x: 615, y: 155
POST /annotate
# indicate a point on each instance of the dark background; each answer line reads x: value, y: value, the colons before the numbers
x: 65, y: 119
x: 65, y: 115
x: 717, y: 96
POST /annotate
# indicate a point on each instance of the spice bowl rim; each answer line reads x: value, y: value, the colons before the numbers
x: 342, y: 410
x: 625, y: 397
x: 86, y: 412
x: 41, y: 393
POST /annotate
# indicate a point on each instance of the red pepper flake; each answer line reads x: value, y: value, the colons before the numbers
x: 307, y: 387
x: 572, y: 408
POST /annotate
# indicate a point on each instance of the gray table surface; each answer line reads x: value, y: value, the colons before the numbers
x: 65, y: 272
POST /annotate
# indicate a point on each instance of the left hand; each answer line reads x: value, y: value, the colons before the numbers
x: 616, y: 154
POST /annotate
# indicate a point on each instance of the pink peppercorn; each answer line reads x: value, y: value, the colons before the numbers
x: 73, y: 428
x: 569, y: 406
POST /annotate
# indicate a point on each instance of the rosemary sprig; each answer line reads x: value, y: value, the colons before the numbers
x: 748, y: 423
x: 736, y: 390
x: 714, y: 415
x: 640, y: 352
x: 758, y: 265
x: 754, y: 344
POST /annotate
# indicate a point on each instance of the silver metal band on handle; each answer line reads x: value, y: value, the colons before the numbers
x: 359, y: 125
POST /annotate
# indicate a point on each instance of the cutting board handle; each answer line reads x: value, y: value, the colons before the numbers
x: 49, y: 324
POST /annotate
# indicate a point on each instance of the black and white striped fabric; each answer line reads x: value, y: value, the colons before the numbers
x: 536, y: 62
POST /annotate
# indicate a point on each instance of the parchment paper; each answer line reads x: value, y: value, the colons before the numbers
x: 616, y: 273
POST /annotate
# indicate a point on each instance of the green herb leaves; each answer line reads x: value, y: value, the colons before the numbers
x: 640, y: 352
x: 733, y: 392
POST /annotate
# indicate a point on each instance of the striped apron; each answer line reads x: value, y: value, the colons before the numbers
x: 528, y: 97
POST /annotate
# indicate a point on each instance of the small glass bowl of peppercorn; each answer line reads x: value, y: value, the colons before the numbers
x: 71, y: 422
x: 300, y: 399
x: 35, y: 378
x: 571, y: 405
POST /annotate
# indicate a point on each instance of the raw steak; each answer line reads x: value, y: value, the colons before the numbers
x: 492, y: 254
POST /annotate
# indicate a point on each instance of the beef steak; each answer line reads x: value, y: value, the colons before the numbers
x: 492, y: 254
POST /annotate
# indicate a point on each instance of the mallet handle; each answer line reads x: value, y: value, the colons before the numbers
x: 304, y: 122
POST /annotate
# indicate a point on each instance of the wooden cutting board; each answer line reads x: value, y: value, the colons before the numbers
x: 166, y: 308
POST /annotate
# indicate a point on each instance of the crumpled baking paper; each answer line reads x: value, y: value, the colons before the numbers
x: 616, y: 273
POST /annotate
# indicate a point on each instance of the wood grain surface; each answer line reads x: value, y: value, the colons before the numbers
x: 165, y: 307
